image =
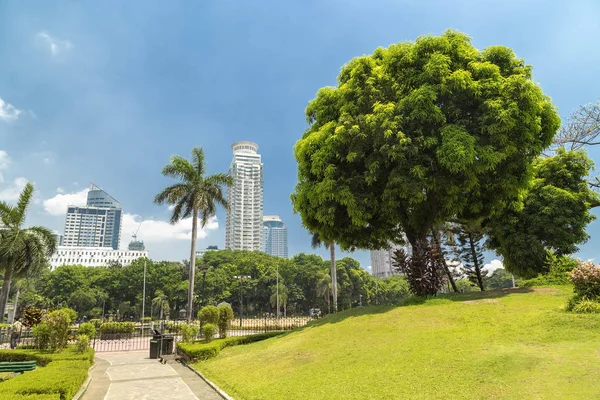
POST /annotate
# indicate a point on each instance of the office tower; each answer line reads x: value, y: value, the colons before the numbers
x: 98, y: 224
x: 244, y: 229
x: 58, y: 237
x: 94, y: 256
x: 381, y: 261
x: 275, y: 236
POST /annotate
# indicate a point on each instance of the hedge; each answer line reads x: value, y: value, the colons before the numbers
x: 202, y: 350
x: 117, y: 327
x: 60, y: 379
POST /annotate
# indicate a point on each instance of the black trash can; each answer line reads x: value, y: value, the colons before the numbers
x: 164, y: 343
x: 154, y: 346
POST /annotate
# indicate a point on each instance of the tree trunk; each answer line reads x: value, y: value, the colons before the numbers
x: 284, y: 310
x: 438, y: 245
x: 5, y: 291
x: 192, y: 266
x: 333, y: 277
x: 476, y: 263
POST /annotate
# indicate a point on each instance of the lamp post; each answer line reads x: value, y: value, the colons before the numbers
x: 240, y: 277
x: 277, y: 294
x: 144, y: 296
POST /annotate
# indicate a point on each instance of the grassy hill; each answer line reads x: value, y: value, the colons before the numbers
x: 500, y: 345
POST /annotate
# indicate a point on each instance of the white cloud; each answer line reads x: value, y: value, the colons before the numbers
x: 493, y: 265
x: 57, y: 205
x: 60, y: 190
x: 47, y: 160
x: 55, y: 45
x: 4, y: 162
x: 8, y: 112
x: 370, y: 269
x: 158, y: 231
x: 13, y: 190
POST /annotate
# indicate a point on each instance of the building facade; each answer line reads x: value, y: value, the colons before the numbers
x: 93, y: 256
x: 200, y: 253
x: 244, y: 228
x: 275, y: 237
x: 98, y: 224
x: 381, y: 261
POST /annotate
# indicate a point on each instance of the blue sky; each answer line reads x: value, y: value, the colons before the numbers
x: 107, y: 91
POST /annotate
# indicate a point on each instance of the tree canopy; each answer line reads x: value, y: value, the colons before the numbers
x: 554, y: 216
x: 419, y: 133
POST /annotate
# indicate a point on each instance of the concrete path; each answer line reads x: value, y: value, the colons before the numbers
x: 132, y: 375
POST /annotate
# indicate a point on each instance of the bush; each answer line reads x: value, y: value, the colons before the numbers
x: 225, y: 317
x: 204, y: 351
x: 82, y: 343
x: 87, y: 329
x: 96, y: 322
x: 69, y: 312
x: 208, y: 331
x: 572, y: 302
x: 559, y: 268
x: 189, y: 332
x: 117, y: 327
x: 41, y: 335
x: 59, y: 322
x: 208, y: 315
x: 146, y: 319
x: 587, y: 307
x: 173, y: 327
x: 586, y: 280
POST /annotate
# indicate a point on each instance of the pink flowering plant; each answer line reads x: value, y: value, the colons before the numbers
x: 586, y: 280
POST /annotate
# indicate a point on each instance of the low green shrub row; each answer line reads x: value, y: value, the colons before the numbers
x: 203, y: 351
x: 117, y: 327
x: 60, y: 378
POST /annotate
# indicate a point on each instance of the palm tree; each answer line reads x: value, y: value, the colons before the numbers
x: 195, y: 195
x: 160, y: 304
x: 324, y: 289
x: 21, y: 249
x: 316, y: 242
x: 283, y: 298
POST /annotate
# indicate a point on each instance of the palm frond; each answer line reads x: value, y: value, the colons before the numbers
x: 46, y: 237
x: 172, y: 194
x: 23, y: 204
x: 198, y: 160
x: 181, y: 169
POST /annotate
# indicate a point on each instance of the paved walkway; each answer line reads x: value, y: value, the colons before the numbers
x: 132, y: 375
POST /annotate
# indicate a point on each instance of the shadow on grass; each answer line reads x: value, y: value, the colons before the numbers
x: 411, y: 301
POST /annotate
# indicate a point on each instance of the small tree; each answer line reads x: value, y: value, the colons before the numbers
x: 59, y: 322
x: 208, y: 331
x: 468, y: 249
x: 423, y: 270
x: 224, y: 321
x: 208, y: 315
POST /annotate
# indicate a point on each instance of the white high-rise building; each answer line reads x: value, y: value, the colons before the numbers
x: 381, y: 261
x: 94, y: 256
x: 275, y: 236
x: 244, y: 228
x: 98, y: 224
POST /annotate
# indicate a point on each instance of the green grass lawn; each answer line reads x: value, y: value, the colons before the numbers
x: 498, y: 345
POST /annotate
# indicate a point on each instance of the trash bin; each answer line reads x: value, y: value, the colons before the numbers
x: 154, y: 349
x: 164, y: 343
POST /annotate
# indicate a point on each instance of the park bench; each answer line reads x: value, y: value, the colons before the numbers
x: 17, y: 366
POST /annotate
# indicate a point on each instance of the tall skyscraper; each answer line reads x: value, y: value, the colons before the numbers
x: 244, y: 229
x: 381, y: 261
x: 275, y: 237
x: 98, y: 224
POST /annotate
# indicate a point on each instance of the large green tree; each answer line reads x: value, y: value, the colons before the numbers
x: 554, y: 216
x: 416, y: 134
x: 196, y: 196
x: 21, y: 249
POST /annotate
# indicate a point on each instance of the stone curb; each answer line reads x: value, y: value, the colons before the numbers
x: 85, y: 385
x: 217, y: 389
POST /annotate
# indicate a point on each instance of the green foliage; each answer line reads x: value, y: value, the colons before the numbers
x: 208, y: 315
x: 554, y: 216
x: 82, y: 343
x: 208, y: 331
x: 419, y: 133
x: 59, y: 376
x: 117, y: 327
x: 173, y: 326
x: 32, y: 316
x: 189, y: 332
x: 146, y: 319
x: 41, y: 335
x: 466, y: 285
x: 501, y: 279
x: 467, y: 245
x: 587, y: 307
x: 586, y: 280
x: 204, y: 351
x: 224, y: 321
x: 88, y: 329
x: 96, y: 322
x: 422, y: 270
x: 59, y: 322
x: 558, y: 268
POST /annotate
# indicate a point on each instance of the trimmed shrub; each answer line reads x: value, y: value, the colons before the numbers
x: 204, y: 351
x: 225, y: 317
x: 96, y: 322
x: 117, y: 327
x: 146, y: 319
x: 587, y: 307
x: 87, y: 329
x: 41, y: 335
x: 208, y: 331
x: 59, y: 322
x: 173, y: 327
x: 82, y: 343
x: 208, y: 315
x: 189, y: 332
x: 586, y: 280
